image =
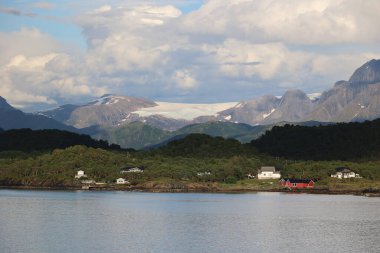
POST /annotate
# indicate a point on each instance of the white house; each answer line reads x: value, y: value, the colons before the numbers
x: 250, y: 175
x: 132, y: 170
x: 121, y: 181
x: 203, y: 174
x: 80, y: 173
x: 268, y: 172
x: 343, y: 172
x: 88, y: 181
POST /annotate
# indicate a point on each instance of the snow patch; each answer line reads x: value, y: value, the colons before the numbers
x: 184, y: 111
x: 228, y: 117
x: 266, y: 115
x: 314, y: 96
x: 107, y: 100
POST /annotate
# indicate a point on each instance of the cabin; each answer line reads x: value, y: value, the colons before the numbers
x: 345, y: 172
x: 121, y: 181
x: 88, y: 181
x: 268, y: 172
x: 132, y: 169
x: 250, y: 176
x: 203, y: 173
x: 294, y: 183
x: 80, y: 174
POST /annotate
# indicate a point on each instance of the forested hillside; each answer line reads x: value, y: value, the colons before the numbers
x: 29, y: 140
x: 344, y: 141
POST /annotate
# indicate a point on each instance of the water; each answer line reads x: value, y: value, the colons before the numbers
x: 83, y: 221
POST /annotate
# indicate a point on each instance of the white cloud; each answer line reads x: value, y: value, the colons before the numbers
x: 28, y: 42
x: 44, y: 5
x: 289, y: 21
x: 102, y: 9
x: 228, y: 48
x: 184, y: 79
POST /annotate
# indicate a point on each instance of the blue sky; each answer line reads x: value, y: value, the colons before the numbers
x: 55, y: 52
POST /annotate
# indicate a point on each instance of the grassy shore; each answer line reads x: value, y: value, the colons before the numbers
x: 327, y: 186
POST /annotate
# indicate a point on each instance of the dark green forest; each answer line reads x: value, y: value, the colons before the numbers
x: 343, y: 141
x: 36, y: 140
x: 50, y: 158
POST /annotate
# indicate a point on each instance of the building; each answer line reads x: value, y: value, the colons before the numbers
x: 132, y: 169
x: 250, y: 175
x: 121, y: 181
x: 344, y: 172
x: 80, y: 174
x: 88, y: 181
x: 204, y: 173
x: 294, y: 183
x: 268, y: 172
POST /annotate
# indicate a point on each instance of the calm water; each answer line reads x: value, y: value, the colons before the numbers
x: 82, y: 221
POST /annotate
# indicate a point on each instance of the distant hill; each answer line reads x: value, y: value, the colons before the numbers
x: 135, y: 135
x: 343, y: 141
x: 29, y: 140
x: 139, y: 135
x: 11, y: 118
x: 204, y: 146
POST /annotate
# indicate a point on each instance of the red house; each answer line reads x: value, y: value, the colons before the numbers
x: 294, y: 183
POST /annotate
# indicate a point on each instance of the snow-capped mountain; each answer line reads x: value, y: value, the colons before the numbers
x: 356, y: 99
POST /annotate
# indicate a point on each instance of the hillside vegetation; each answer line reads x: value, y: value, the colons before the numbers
x: 197, y: 159
x: 29, y: 140
x: 344, y: 141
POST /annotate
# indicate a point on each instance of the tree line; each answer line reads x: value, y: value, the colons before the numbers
x: 342, y: 141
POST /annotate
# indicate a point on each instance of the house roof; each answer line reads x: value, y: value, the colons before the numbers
x: 268, y: 169
x: 133, y: 167
x: 297, y: 180
x: 343, y: 169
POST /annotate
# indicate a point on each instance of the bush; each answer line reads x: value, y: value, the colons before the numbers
x: 230, y: 180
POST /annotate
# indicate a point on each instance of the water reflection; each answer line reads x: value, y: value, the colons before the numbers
x: 82, y: 221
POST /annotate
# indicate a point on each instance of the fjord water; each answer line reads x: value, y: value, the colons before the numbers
x: 85, y: 221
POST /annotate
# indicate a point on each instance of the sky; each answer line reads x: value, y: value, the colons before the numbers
x: 193, y: 51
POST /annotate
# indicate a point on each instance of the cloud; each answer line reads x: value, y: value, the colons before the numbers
x: 44, y: 5
x: 16, y: 12
x: 184, y: 79
x: 28, y: 42
x: 233, y: 50
x: 288, y: 21
x: 34, y: 69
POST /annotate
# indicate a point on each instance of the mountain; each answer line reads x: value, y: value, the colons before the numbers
x: 114, y: 111
x: 355, y: 100
x: 293, y: 107
x: 11, y: 118
x: 108, y: 110
x: 4, y: 106
x: 140, y: 135
x: 252, y: 111
x: 367, y: 74
x: 110, y: 116
x: 135, y: 135
x: 48, y: 139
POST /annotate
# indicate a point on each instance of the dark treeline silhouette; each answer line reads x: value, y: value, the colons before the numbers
x: 343, y: 141
x: 32, y: 140
x: 204, y: 146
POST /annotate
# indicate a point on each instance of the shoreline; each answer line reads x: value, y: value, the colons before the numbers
x: 365, y: 192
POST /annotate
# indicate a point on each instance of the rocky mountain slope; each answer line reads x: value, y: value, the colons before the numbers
x: 11, y: 118
x: 355, y: 100
x: 137, y: 122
